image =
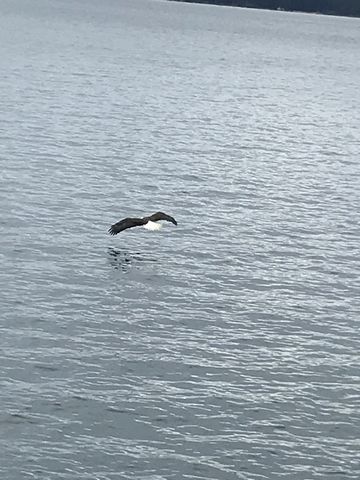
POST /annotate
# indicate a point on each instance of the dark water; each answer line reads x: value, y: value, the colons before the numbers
x: 227, y: 347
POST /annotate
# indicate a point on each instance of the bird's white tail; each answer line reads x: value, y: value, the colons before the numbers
x: 152, y: 226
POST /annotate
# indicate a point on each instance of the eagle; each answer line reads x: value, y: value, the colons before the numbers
x: 146, y: 222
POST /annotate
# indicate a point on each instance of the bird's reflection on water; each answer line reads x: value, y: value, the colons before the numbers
x: 124, y: 260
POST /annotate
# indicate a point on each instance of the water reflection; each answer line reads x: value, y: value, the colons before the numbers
x: 124, y: 260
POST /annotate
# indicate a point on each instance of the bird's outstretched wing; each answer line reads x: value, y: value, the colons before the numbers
x: 124, y: 224
x: 161, y: 216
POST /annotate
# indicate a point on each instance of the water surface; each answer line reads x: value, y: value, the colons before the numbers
x: 225, y: 348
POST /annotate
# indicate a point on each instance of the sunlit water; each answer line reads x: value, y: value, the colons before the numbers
x: 224, y: 348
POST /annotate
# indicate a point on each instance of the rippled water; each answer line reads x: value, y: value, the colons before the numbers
x: 227, y: 347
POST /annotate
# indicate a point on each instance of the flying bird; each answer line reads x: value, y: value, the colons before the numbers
x: 146, y: 222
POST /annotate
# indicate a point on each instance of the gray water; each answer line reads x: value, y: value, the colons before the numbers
x: 224, y: 348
